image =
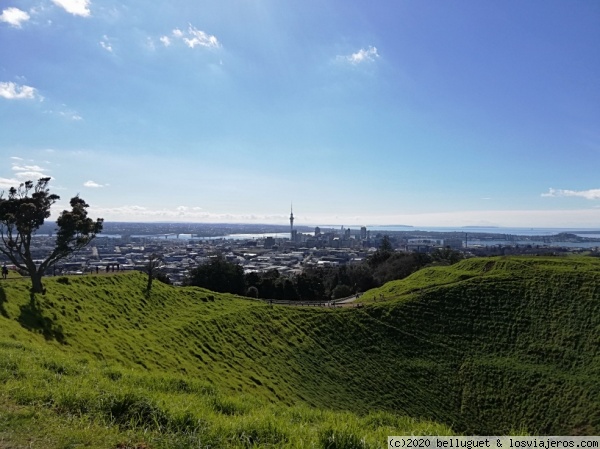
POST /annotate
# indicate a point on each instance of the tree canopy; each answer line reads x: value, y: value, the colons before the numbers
x: 24, y: 210
x: 218, y: 275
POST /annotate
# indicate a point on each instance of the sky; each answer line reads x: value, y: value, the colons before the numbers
x: 436, y: 113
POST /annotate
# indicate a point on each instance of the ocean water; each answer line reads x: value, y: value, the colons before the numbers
x: 584, y: 232
x: 471, y: 232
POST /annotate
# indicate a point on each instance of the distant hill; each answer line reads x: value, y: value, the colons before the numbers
x: 486, y: 346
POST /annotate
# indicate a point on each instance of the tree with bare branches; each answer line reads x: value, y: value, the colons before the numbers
x: 152, y: 266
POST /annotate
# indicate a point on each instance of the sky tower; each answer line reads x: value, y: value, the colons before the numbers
x: 291, y: 223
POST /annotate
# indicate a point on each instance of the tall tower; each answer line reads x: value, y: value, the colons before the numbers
x: 291, y: 223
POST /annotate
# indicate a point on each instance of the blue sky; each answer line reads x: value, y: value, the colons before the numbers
x: 392, y: 112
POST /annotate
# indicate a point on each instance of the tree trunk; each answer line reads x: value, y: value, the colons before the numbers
x: 150, y: 278
x: 36, y: 282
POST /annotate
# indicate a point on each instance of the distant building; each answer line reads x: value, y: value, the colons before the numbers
x: 269, y: 242
x: 317, y: 231
x: 423, y: 245
x: 363, y: 233
x: 453, y: 243
x: 291, y: 224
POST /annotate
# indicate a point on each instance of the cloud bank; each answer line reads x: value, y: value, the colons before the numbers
x: 574, y: 218
x: 7, y: 183
x: 591, y: 194
x: 29, y: 172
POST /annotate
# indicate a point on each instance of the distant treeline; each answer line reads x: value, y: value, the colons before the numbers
x: 317, y: 284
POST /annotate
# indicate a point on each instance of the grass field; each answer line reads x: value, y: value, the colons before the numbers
x: 487, y: 346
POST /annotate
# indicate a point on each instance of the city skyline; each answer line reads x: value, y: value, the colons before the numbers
x: 478, y: 114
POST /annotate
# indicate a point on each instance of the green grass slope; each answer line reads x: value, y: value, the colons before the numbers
x: 96, y: 362
x: 486, y: 346
x: 524, y: 334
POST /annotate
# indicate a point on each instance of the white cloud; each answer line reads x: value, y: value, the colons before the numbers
x: 71, y: 116
x: 28, y: 168
x: 31, y: 175
x: 36, y: 10
x: 65, y: 113
x: 13, y: 91
x: 92, y: 184
x: 105, y: 44
x: 591, y: 194
x: 14, y: 17
x: 199, y: 37
x: 363, y: 55
x: 75, y: 7
x: 6, y: 183
x: 17, y: 158
x: 29, y: 172
x: 193, y: 37
x: 180, y: 213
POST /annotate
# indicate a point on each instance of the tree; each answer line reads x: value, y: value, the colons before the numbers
x: 310, y: 285
x: 447, y: 256
x: 22, y: 213
x: 218, y: 275
x: 382, y: 254
x: 341, y: 291
x: 386, y: 245
x: 151, y: 268
x: 288, y: 290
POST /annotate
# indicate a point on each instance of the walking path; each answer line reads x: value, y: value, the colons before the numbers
x: 349, y: 301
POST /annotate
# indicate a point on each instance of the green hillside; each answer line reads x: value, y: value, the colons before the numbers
x: 525, y: 333
x: 487, y: 346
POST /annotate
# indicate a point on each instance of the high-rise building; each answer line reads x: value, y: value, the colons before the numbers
x: 291, y: 223
x: 269, y: 242
x: 317, y: 231
x: 363, y: 233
